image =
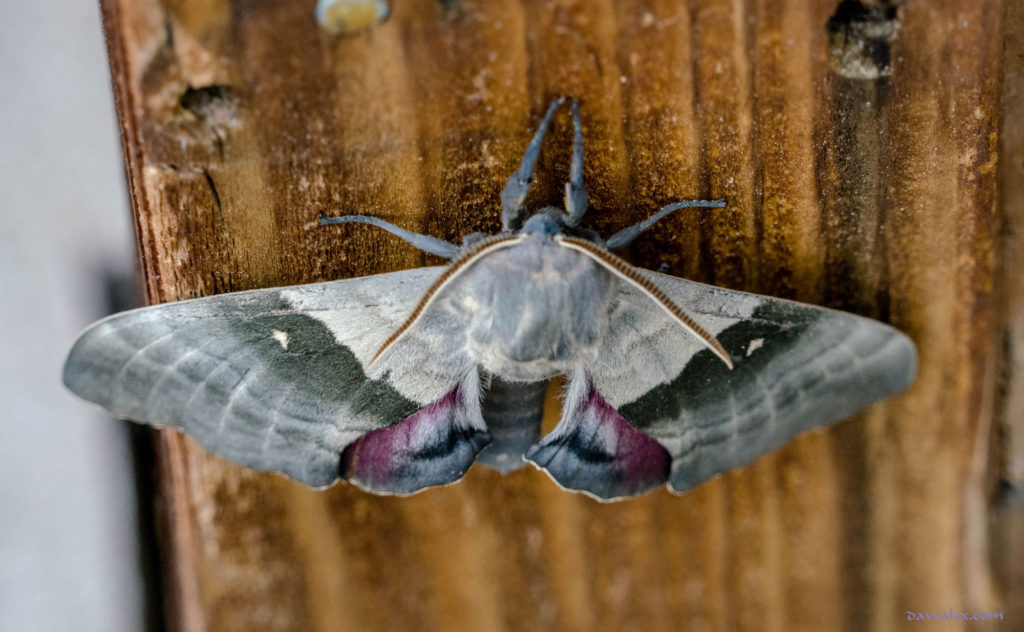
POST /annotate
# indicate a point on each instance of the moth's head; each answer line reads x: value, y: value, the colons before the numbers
x: 552, y: 221
x: 547, y: 221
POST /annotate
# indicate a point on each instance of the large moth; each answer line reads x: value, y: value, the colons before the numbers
x: 397, y: 382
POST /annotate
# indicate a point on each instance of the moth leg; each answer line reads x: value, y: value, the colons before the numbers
x: 575, y: 190
x: 627, y: 235
x: 518, y: 184
x: 426, y: 243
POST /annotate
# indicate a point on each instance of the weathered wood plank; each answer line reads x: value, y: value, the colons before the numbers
x: 1002, y: 543
x: 858, y: 182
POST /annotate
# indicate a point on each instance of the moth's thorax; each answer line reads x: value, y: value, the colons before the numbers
x: 535, y: 309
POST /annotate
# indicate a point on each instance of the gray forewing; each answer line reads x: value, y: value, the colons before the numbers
x: 362, y: 313
x: 797, y: 367
x: 252, y: 376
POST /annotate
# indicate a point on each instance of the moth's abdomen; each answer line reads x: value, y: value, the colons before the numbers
x: 513, y: 413
x: 536, y: 310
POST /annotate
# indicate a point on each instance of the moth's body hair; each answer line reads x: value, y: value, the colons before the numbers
x: 535, y: 310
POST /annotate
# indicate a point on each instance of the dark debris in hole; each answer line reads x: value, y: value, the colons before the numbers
x: 215, y: 105
x: 860, y: 36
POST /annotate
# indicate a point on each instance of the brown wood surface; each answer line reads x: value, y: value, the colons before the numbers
x: 851, y: 183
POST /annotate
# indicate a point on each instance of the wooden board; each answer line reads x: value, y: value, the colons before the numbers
x: 859, y: 157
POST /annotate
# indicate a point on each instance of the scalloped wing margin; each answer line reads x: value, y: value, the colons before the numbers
x: 798, y: 367
x: 594, y: 450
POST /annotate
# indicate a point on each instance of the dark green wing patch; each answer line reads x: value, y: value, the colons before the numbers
x: 797, y: 367
x: 245, y: 374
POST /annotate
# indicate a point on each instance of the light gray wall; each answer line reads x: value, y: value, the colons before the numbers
x: 67, y: 530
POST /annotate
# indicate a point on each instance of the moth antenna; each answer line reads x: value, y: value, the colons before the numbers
x: 479, y: 250
x: 630, y: 274
x: 627, y: 235
x: 426, y: 243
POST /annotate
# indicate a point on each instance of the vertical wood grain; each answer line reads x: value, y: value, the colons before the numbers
x: 1001, y: 545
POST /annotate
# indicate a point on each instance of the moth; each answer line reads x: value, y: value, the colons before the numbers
x: 401, y: 381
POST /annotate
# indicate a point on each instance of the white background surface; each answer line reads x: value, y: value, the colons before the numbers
x: 67, y: 548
